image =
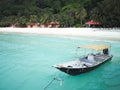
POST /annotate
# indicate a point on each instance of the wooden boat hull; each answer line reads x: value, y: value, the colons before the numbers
x: 76, y: 71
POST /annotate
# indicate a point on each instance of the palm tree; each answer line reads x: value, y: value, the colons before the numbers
x: 33, y: 19
x: 22, y: 21
x: 81, y: 13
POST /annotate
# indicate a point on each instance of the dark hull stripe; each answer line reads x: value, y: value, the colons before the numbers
x: 76, y: 71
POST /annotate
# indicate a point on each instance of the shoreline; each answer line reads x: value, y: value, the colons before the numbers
x: 91, y: 33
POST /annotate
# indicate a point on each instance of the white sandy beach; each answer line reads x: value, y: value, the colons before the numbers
x: 92, y: 33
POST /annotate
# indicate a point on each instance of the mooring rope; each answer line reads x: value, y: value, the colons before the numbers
x: 49, y: 84
x: 55, y: 78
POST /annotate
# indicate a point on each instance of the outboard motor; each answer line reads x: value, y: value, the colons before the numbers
x: 105, y: 51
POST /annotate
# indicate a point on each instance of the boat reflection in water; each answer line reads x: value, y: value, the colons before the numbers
x: 87, y: 62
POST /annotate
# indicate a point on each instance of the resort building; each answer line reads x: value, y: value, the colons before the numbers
x: 53, y: 24
x: 48, y: 25
x: 92, y: 24
x: 32, y: 25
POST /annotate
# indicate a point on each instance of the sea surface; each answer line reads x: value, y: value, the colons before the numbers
x: 26, y: 64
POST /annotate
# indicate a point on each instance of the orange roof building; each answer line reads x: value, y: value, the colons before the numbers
x: 92, y: 24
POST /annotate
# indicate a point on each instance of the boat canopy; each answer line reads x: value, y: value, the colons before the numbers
x: 95, y: 47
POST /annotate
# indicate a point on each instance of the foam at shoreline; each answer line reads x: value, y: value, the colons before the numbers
x: 92, y: 33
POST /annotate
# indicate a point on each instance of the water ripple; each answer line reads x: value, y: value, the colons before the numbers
x: 111, y: 75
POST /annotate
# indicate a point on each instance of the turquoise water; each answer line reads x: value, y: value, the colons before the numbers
x: 26, y: 64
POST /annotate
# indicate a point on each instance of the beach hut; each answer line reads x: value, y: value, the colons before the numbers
x: 92, y: 24
x: 53, y: 24
x: 32, y: 25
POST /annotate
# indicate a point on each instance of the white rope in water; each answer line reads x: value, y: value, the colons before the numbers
x: 55, y: 78
x: 58, y: 79
x: 48, y: 84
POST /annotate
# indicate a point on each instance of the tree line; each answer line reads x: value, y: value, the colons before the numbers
x: 68, y: 13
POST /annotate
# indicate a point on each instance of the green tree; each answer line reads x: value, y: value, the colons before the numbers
x: 21, y: 21
x: 67, y: 12
x: 107, y: 13
x: 7, y: 21
x: 80, y: 14
x: 33, y: 19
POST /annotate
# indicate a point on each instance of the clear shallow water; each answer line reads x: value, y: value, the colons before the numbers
x: 26, y: 60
